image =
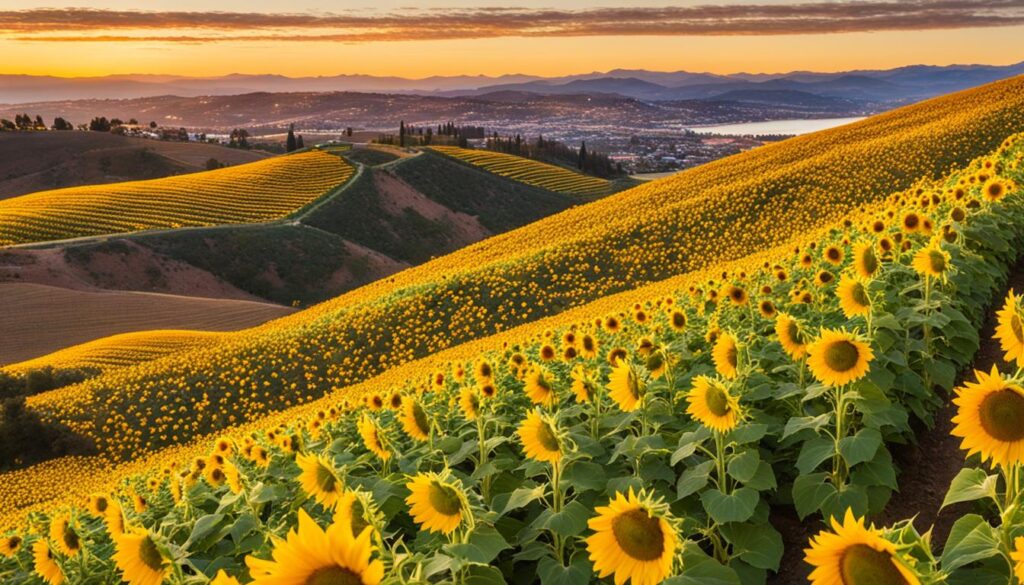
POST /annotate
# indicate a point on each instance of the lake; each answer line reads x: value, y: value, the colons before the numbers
x: 776, y: 126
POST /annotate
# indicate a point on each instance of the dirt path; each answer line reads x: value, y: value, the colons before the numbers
x: 925, y: 469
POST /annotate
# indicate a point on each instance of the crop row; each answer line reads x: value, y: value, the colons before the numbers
x: 531, y: 172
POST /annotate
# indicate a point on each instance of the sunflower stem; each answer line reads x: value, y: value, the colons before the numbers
x: 838, y: 472
x: 720, y: 462
x: 481, y: 429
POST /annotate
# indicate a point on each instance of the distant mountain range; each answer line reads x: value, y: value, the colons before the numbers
x: 891, y: 86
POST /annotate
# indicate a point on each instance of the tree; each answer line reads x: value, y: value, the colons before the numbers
x: 152, y: 125
x: 62, y: 124
x: 401, y: 133
x: 290, y: 143
x: 7, y: 126
x: 299, y: 142
x: 100, y: 124
x: 240, y: 138
x: 133, y: 122
x: 348, y: 131
x: 40, y: 125
x: 213, y: 164
x: 583, y: 155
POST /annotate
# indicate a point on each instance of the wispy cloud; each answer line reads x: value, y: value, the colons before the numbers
x: 98, y: 25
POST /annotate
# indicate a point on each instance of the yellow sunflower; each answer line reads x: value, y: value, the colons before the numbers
x: 45, y: 564
x: 354, y: 510
x: 1010, y: 330
x: 114, y: 518
x: 853, y: 296
x: 539, y: 386
x: 139, y: 558
x: 1017, y: 556
x: 414, y: 419
x: 633, y: 540
x: 540, y: 438
x: 97, y: 504
x: 711, y: 404
x: 469, y: 402
x: 931, y: 260
x: 588, y: 347
x: 583, y: 387
x: 865, y: 262
x: 990, y: 418
x: 435, y: 503
x: 677, y: 320
x: 10, y: 545
x: 834, y: 255
x: 314, y: 555
x: 838, y: 357
x: 725, y: 354
x: 63, y: 533
x: 222, y: 578
x: 852, y: 553
x: 791, y: 336
x: 318, y: 479
x: 370, y: 433
x: 483, y: 371
x: 624, y: 387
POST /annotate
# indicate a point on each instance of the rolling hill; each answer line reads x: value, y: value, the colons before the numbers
x: 697, y: 219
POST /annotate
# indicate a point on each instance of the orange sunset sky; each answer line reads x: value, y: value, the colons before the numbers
x: 418, y: 39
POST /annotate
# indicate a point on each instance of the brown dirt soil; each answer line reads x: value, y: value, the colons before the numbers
x: 377, y: 266
x: 925, y: 469
x: 38, y: 319
x: 396, y: 195
x: 132, y: 268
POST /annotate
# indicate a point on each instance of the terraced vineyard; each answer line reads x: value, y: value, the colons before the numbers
x: 249, y: 193
x: 118, y: 351
x: 531, y: 172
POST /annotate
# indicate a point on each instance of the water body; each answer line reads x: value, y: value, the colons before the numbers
x: 789, y: 127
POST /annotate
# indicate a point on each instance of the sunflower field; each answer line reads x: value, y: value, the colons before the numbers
x: 531, y: 172
x: 643, y: 438
x: 249, y: 193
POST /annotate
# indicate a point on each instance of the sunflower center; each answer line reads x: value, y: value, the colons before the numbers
x: 101, y: 504
x: 421, y: 418
x: 730, y: 355
x: 863, y: 565
x: 717, y: 400
x: 841, y: 356
x: 639, y: 535
x: 1016, y: 326
x: 358, y: 521
x: 13, y: 542
x: 444, y: 499
x: 868, y: 261
x: 860, y: 296
x: 149, y: 554
x: 70, y: 538
x: 325, y: 480
x: 333, y: 576
x: 793, y: 332
x: 937, y: 260
x: 1002, y: 415
x: 546, y: 437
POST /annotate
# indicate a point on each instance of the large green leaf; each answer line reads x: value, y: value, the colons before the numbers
x: 971, y: 539
x: 735, y: 507
x: 969, y: 485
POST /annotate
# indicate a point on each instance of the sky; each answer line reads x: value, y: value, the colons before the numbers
x: 494, y: 37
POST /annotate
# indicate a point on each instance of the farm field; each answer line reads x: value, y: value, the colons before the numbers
x: 686, y: 408
x: 531, y: 172
x: 76, y: 316
x: 252, y: 193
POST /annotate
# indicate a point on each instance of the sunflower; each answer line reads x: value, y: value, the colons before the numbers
x: 791, y: 336
x: 139, y: 558
x: 853, y: 553
x: 114, y: 518
x: 834, y: 255
x: 1010, y: 330
x: 767, y: 309
x: 540, y: 438
x: 469, y: 402
x: 990, y: 418
x: 318, y: 479
x: 483, y: 371
x: 853, y: 296
x: 865, y: 262
x: 583, y: 387
x: 931, y: 261
x: 45, y: 564
x: 633, y: 539
x: 232, y: 476
x: 355, y: 510
x: 657, y: 363
x: 994, y: 190
x: 588, y: 347
x: 677, y: 320
x: 1017, y: 556
x: 539, y: 386
x: 370, y: 433
x: 488, y: 390
x: 838, y: 357
x: 435, y: 502
x: 725, y: 354
x: 711, y: 404
x: 97, y: 504
x: 10, y: 545
x: 624, y: 386
x: 313, y: 555
x: 414, y: 419
x: 222, y: 578
x: 63, y: 533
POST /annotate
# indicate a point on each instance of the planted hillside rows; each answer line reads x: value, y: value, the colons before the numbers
x: 644, y: 446
x: 646, y: 234
x: 531, y: 172
x: 247, y: 193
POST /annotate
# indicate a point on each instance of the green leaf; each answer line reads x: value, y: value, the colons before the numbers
x: 735, y: 507
x: 202, y: 528
x: 971, y: 539
x: 801, y: 423
x: 571, y: 521
x: 969, y: 485
x: 688, y: 443
x: 523, y: 496
x: 693, y: 479
x: 759, y: 545
x: 484, y: 575
x: 813, y: 453
x: 484, y: 545
x: 744, y: 466
x: 860, y: 447
x: 810, y: 492
x: 700, y: 569
x: 763, y: 479
x: 584, y: 476
x: 748, y: 433
x: 551, y: 572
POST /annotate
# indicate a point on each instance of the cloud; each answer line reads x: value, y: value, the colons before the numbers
x: 99, y: 25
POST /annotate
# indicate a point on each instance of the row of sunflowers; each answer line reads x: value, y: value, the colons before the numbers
x: 647, y: 446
